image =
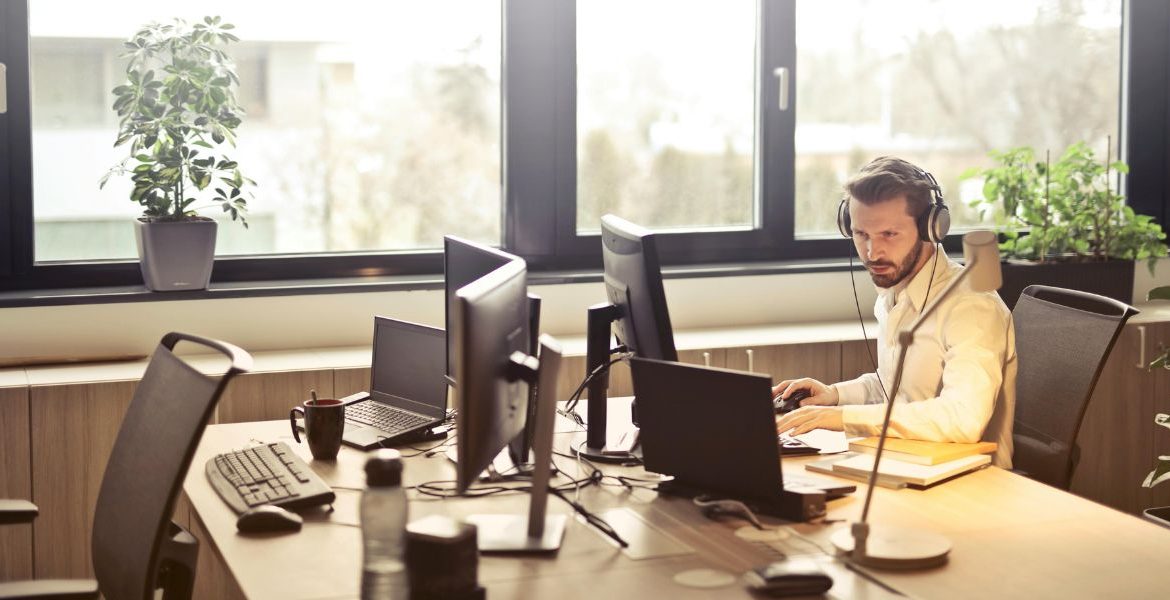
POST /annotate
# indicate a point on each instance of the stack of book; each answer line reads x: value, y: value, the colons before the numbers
x: 908, y: 462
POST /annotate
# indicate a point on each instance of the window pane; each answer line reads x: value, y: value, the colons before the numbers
x: 665, y: 103
x: 369, y: 126
x: 940, y: 83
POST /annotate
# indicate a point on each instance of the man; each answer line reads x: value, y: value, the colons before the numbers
x: 959, y: 380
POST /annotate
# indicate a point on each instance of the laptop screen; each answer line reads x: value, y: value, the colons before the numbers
x: 409, y: 366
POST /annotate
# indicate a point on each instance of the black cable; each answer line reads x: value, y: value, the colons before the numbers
x: 567, y: 412
x: 933, y: 268
x: 592, y: 519
x: 861, y: 320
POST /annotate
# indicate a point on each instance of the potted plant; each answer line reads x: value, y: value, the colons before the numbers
x: 1062, y: 223
x: 177, y: 111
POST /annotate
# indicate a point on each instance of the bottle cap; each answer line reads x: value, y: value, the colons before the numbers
x: 384, y: 468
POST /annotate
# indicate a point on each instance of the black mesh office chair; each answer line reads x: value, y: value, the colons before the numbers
x: 1062, y: 340
x: 137, y: 549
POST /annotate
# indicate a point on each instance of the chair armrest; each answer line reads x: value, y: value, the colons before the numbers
x: 50, y: 589
x: 17, y: 511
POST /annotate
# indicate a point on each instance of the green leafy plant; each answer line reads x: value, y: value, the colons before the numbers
x: 178, y: 110
x: 1064, y: 211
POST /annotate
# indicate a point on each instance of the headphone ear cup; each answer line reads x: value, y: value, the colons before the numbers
x: 935, y: 224
x: 843, y: 223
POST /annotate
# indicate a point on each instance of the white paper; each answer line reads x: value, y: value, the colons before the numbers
x: 828, y: 442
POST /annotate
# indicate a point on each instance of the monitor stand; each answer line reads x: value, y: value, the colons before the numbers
x: 622, y: 444
x: 599, y: 444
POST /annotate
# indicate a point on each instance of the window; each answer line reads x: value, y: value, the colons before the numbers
x: 366, y: 130
x: 375, y: 129
x: 943, y: 82
x: 665, y: 125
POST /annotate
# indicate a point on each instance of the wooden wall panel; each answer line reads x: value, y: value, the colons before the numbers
x: 572, y: 372
x: 1119, y: 441
x: 267, y: 396
x: 73, y: 432
x: 212, y: 578
x: 351, y: 381
x: 15, y: 482
x: 713, y: 357
x: 855, y: 361
x: 820, y: 361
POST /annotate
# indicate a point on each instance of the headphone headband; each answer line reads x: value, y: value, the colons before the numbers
x: 933, y: 224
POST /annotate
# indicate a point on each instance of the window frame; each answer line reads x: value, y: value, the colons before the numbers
x: 539, y: 167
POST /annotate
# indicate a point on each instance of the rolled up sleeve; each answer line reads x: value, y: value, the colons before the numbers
x: 973, y: 332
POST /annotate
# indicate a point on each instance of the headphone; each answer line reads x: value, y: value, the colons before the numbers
x: 933, y: 223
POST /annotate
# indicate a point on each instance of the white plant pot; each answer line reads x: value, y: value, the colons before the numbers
x: 176, y: 255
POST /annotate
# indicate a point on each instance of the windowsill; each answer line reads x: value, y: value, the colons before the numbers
x: 305, y: 287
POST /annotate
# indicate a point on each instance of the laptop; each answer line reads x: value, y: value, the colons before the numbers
x: 408, y: 387
x: 714, y: 430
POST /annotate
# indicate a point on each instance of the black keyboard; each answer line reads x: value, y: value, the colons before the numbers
x: 386, y: 418
x: 269, y: 474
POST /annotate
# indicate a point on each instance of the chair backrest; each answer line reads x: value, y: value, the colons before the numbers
x: 1062, y: 340
x: 155, y: 444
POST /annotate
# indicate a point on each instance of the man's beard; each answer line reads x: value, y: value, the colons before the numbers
x: 899, y: 273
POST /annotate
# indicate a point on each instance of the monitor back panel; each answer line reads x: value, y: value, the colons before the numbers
x: 709, y: 428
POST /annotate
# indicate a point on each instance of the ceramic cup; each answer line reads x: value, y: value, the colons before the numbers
x: 324, y: 424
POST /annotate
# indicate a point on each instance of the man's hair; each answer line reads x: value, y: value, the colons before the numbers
x: 886, y: 178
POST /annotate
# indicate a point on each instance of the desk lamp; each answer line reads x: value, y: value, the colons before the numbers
x: 899, y: 547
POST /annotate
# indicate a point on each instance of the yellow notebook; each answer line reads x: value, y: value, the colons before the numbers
x: 919, y: 452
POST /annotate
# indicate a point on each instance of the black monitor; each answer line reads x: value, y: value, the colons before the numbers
x: 495, y: 372
x: 465, y: 261
x: 636, y: 314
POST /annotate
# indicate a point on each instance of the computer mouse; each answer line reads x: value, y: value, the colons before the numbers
x: 781, y: 405
x: 792, y: 577
x: 268, y: 518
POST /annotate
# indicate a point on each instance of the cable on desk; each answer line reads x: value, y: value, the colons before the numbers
x: 430, y: 450
x: 568, y: 411
x: 592, y: 519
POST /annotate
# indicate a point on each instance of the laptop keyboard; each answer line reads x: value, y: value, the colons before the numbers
x: 386, y: 418
x: 791, y: 445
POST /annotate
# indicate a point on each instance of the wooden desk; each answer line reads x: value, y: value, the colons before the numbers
x: 1013, y: 538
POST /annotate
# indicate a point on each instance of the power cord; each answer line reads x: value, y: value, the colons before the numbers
x: 575, y: 398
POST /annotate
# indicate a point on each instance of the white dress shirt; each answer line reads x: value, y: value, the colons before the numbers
x: 959, y: 382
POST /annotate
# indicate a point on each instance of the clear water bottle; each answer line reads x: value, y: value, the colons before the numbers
x: 383, y: 516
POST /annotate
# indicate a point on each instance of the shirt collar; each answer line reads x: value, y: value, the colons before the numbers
x: 915, y: 288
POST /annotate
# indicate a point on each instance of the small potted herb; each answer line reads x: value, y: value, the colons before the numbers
x: 178, y: 111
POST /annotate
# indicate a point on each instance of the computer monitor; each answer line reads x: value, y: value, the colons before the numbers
x: 494, y: 374
x: 636, y: 314
x: 464, y: 261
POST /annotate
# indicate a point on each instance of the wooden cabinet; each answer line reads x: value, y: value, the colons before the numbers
x: 821, y: 361
x: 1119, y: 442
x: 266, y: 396
x: 73, y: 428
x: 16, y: 541
x: 857, y: 359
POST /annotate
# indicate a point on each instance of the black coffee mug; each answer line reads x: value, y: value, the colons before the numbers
x: 324, y: 425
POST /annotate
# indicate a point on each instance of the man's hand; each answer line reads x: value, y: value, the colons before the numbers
x: 808, y: 418
x: 819, y: 393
